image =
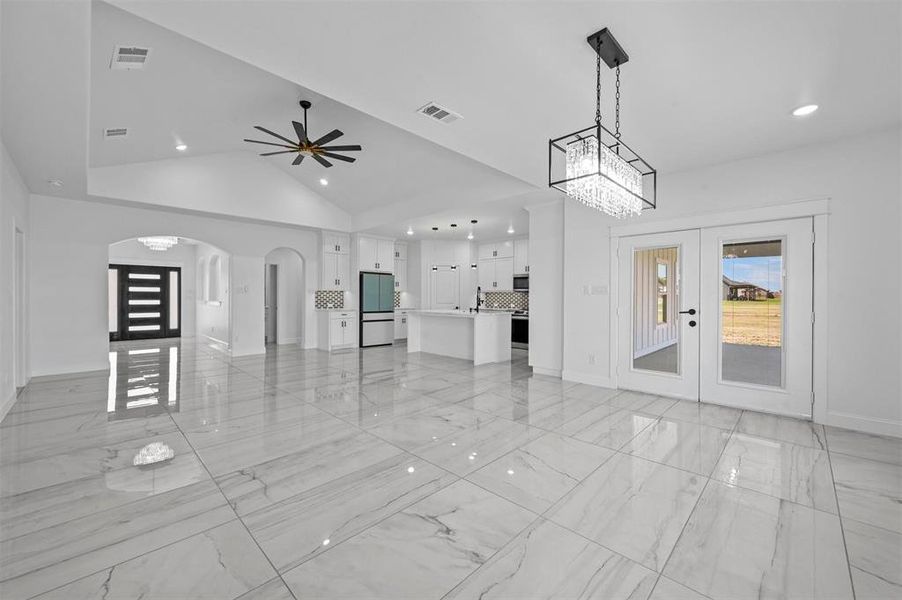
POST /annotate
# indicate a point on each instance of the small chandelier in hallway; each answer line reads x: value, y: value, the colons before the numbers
x: 593, y: 165
x: 159, y: 243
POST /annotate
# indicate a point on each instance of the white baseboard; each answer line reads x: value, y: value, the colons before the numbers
x: 83, y: 369
x: 866, y: 424
x: 589, y: 379
x: 288, y: 341
x: 546, y: 372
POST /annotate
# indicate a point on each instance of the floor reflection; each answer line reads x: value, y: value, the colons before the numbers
x: 144, y: 378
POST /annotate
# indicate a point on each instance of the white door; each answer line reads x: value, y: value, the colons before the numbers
x: 445, y: 288
x: 367, y: 253
x: 756, y: 301
x: 658, y: 321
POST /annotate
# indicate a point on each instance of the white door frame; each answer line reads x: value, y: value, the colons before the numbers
x: 818, y: 208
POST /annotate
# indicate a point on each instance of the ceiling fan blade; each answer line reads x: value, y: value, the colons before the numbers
x: 279, y: 152
x: 299, y: 129
x: 269, y: 143
x: 335, y: 133
x: 353, y: 148
x: 322, y: 161
x: 338, y: 157
x: 274, y: 134
x: 298, y: 160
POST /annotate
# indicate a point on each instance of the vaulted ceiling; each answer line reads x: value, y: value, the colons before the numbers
x: 707, y: 82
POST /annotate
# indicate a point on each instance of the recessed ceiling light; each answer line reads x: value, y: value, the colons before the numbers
x: 323, y: 181
x: 57, y: 183
x: 470, y: 236
x: 510, y: 229
x: 181, y: 147
x: 410, y: 231
x: 804, y: 111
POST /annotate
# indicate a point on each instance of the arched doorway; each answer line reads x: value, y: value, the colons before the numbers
x: 284, y: 297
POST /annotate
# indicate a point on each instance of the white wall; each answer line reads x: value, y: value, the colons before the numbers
x: 14, y: 214
x: 290, y: 295
x: 182, y: 255
x: 213, y: 315
x: 238, y: 184
x: 546, y: 257
x: 73, y: 336
x: 860, y: 176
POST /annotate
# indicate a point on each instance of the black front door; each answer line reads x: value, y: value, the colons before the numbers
x: 148, y: 302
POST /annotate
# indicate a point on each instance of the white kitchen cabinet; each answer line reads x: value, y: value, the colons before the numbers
x: 338, y: 243
x: 400, y: 275
x: 504, y: 249
x: 335, y: 271
x: 496, y: 275
x: 337, y: 329
x: 486, y: 274
x: 400, y: 250
x: 375, y: 254
x: 521, y: 256
x: 401, y: 325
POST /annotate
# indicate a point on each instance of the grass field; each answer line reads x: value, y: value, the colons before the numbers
x: 753, y: 322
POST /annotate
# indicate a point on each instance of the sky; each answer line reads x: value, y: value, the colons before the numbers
x: 763, y: 271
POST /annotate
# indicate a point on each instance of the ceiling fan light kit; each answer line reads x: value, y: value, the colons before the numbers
x: 303, y: 147
x: 593, y: 165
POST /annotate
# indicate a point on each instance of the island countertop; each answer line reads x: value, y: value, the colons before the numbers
x: 457, y: 313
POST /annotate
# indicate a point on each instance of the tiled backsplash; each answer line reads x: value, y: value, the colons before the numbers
x: 515, y: 300
x: 323, y: 298
x: 397, y: 299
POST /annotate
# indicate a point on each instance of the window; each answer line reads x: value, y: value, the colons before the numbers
x: 662, y: 283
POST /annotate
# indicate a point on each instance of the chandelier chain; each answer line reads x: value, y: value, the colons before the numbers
x: 617, y: 106
x: 598, y: 89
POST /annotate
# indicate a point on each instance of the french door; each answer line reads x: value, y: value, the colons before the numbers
x: 721, y: 314
x: 144, y: 302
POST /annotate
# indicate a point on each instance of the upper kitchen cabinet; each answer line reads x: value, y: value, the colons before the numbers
x: 375, y: 254
x: 339, y: 243
x: 400, y: 266
x: 400, y: 250
x: 496, y: 274
x: 504, y: 249
x: 521, y: 256
x: 335, y: 261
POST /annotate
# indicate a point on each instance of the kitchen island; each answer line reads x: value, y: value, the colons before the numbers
x: 483, y: 337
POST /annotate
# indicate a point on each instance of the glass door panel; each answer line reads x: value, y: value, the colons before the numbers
x: 752, y: 312
x: 656, y: 334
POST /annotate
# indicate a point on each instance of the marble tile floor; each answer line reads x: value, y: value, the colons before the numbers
x: 383, y: 474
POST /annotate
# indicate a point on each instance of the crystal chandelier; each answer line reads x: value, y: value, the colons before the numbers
x: 159, y: 243
x: 593, y: 165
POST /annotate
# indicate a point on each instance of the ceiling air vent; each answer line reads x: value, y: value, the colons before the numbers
x: 439, y: 113
x: 129, y: 57
x: 115, y: 132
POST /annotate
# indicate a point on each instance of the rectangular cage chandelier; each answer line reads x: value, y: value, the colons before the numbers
x: 593, y: 165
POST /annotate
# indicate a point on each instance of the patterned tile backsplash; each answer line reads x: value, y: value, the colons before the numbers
x: 515, y: 300
x: 323, y: 298
x: 397, y: 299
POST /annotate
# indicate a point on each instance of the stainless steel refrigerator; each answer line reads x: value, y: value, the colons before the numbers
x: 377, y: 309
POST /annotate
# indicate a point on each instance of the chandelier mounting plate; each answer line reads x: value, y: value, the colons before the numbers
x: 606, y: 46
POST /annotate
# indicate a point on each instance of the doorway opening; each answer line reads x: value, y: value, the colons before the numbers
x: 19, y: 320
x: 284, y: 297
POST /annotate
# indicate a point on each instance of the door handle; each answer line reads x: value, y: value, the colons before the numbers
x: 691, y: 311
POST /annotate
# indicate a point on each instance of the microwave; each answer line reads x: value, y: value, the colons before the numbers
x: 521, y: 283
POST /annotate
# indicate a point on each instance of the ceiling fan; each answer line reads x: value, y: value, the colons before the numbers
x: 304, y: 147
